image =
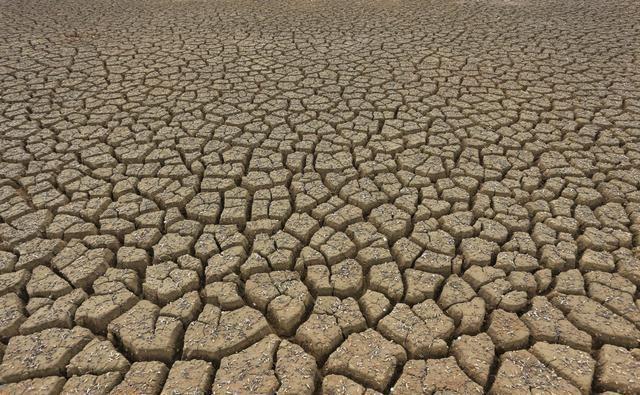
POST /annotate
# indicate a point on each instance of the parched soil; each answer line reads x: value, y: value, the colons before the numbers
x: 319, y: 197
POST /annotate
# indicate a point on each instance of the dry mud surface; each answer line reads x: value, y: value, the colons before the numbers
x: 319, y: 197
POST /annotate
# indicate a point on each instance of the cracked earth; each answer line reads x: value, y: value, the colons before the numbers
x: 319, y: 197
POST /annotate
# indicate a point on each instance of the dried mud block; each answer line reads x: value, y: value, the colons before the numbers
x: 334, y: 384
x: 97, y: 358
x: 422, y: 329
x: 548, y: 324
x: 347, y: 279
x: 42, y: 354
x: 368, y: 358
x: 114, y: 294
x: 12, y: 315
x: 468, y: 316
x: 267, y: 366
x: 51, y: 385
x: 577, y: 367
x: 146, y: 335
x: 171, y: 246
x: 143, y: 378
x: 186, y: 309
x: 598, y: 321
x: 189, y: 377
x: 80, y: 265
x: 331, y: 321
x: 92, y: 384
x: 391, y: 221
x: 475, y: 355
x: 435, y: 376
x: 455, y: 291
x: 14, y: 282
x: 386, y: 279
x: 282, y: 296
x: 37, y: 252
x: 618, y: 370
x: 166, y: 282
x: 47, y: 284
x: 59, y: 314
x: 520, y: 372
x: 374, y: 306
x: 216, y: 334
x: 507, y: 331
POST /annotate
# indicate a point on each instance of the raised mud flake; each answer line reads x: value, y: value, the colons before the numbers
x: 216, y: 334
x: 619, y: 302
x: 478, y: 252
x: 331, y: 321
x: 266, y: 367
x: 596, y: 261
x: 51, y: 385
x: 515, y: 261
x: 143, y: 238
x: 455, y: 291
x: 347, y: 279
x: 475, y: 355
x: 478, y: 276
x: 92, y: 384
x: 45, y: 283
x: 334, y: 384
x: 189, y: 377
x: 521, y: 372
x: 36, y: 252
x: 114, y: 293
x: 405, y: 252
x: 500, y: 294
x: 282, y: 296
x: 575, y: 366
x: 171, y: 246
x: 186, y: 308
x: 391, y: 221
x: 435, y: 376
x: 166, y: 282
x: 165, y: 192
x: 434, y: 262
x: 507, y: 331
x: 57, y: 315
x: 98, y: 357
x: 468, y: 316
x: 82, y: 266
x: 224, y: 294
x: 42, y: 354
x: 334, y: 246
x: 302, y: 226
x: 387, y: 279
x: 618, y: 370
x: 422, y: 329
x: 236, y: 207
x: 421, y: 285
x: 368, y: 358
x: 204, y: 207
x: 12, y: 315
x: 146, y: 335
x: 7, y: 262
x: 595, y: 319
x: 142, y: 378
x: 133, y: 258
x: 296, y: 370
x: 363, y: 193
x: 343, y: 217
x: 548, y: 324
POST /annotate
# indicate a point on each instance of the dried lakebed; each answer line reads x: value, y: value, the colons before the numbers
x: 319, y: 197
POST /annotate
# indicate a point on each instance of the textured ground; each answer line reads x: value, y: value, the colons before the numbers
x: 341, y: 197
